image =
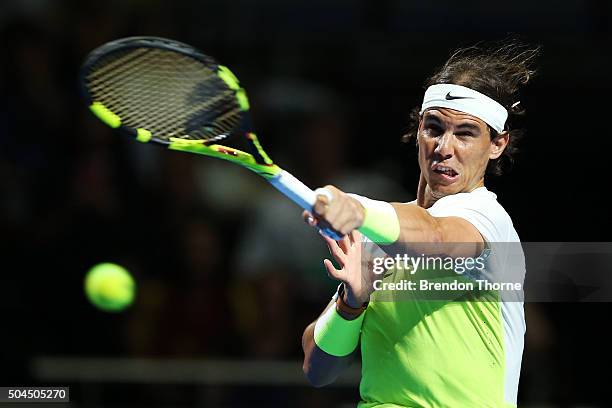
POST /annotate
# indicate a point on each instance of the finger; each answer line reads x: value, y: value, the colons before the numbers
x: 347, y: 221
x: 346, y: 216
x: 335, y: 215
x: 331, y: 270
x: 344, y: 244
x: 320, y: 206
x: 309, y: 219
x: 335, y: 250
x: 326, y: 192
x: 329, y: 241
x: 324, y: 197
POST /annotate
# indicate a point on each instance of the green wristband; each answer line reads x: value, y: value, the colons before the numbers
x: 381, y: 224
x: 335, y: 335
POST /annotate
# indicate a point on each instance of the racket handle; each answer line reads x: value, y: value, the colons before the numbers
x: 300, y: 194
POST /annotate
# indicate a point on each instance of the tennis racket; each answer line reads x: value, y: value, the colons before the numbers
x: 169, y: 93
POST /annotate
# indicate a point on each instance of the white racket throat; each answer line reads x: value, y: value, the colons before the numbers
x: 294, y: 189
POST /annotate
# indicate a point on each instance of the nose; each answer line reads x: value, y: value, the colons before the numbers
x: 445, y: 147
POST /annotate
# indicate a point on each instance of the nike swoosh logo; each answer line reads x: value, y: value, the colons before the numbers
x: 449, y: 97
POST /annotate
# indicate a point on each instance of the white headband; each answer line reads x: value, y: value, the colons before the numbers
x: 466, y: 100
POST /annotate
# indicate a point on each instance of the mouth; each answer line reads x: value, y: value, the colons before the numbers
x: 446, y: 172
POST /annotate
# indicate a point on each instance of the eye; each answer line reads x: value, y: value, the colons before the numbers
x: 464, y: 133
x: 433, y: 129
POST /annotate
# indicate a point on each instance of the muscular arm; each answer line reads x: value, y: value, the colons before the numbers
x: 319, y: 367
x: 417, y: 226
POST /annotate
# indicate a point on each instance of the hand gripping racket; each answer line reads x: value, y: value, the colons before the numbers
x: 166, y: 92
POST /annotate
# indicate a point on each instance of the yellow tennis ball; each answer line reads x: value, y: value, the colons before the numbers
x: 110, y: 287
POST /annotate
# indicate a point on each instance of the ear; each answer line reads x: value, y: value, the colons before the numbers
x: 498, y: 144
x: 420, y: 128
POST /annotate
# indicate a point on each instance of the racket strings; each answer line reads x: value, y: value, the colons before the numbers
x: 118, y: 64
x: 154, y: 97
x: 169, y: 94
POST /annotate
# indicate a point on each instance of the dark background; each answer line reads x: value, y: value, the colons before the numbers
x: 225, y: 268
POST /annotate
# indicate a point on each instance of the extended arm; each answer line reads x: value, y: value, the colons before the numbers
x: 413, y: 225
x: 417, y: 226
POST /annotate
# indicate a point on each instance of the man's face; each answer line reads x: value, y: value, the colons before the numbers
x: 454, y: 150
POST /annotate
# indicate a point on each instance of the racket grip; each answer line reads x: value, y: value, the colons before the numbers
x: 300, y: 194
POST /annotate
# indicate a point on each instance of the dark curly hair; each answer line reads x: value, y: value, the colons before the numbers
x: 497, y: 70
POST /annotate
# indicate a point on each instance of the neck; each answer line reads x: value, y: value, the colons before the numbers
x: 426, y: 197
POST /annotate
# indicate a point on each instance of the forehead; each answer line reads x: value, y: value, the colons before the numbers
x: 453, y: 117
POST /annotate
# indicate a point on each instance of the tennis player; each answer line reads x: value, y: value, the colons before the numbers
x: 433, y: 353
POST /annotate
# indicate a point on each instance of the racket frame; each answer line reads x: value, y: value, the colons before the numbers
x: 282, y: 180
